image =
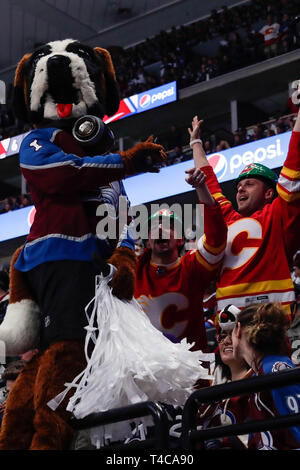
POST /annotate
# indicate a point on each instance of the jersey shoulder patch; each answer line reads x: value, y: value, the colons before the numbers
x: 281, y: 365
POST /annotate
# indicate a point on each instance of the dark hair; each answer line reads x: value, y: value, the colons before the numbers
x: 265, y: 326
x: 268, y: 185
x: 226, y: 372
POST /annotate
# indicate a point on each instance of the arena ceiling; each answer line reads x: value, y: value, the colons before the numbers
x: 25, y: 23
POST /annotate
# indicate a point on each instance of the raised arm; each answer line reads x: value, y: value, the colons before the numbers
x: 51, y: 170
x: 288, y: 189
x: 199, y: 155
x: 211, y: 246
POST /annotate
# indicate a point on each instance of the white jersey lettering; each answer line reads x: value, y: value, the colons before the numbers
x: 243, y: 241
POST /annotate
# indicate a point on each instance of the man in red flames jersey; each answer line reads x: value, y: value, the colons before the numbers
x: 170, y: 288
x: 263, y: 234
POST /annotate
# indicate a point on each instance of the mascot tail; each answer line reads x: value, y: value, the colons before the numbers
x: 20, y: 327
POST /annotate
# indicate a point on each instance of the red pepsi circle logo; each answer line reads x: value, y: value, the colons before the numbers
x: 145, y: 100
x: 31, y: 215
x: 219, y: 163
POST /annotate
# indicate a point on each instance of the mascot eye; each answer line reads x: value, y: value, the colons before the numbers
x: 84, y: 54
x: 37, y: 57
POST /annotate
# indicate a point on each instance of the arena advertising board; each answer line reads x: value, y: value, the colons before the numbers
x: 11, y: 145
x: 135, y: 104
x: 227, y: 165
x: 16, y: 223
x: 171, y: 180
x: 144, y: 101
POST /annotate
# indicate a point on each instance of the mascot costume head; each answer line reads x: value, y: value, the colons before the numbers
x: 63, y: 89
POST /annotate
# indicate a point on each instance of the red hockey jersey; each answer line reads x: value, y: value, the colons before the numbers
x: 172, y: 295
x: 255, y: 267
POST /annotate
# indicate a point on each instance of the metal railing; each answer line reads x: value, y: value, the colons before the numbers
x: 138, y: 410
x: 190, y: 434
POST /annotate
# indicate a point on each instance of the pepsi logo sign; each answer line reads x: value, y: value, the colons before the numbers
x: 145, y: 100
x: 219, y: 163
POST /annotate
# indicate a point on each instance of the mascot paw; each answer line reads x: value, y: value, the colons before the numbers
x: 122, y: 283
x: 144, y: 157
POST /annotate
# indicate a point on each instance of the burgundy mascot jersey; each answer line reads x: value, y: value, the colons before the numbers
x: 64, y: 184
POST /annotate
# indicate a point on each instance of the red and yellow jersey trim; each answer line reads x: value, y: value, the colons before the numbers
x: 262, y: 287
x: 221, y: 199
x: 205, y: 264
x: 289, y: 173
x: 167, y: 267
x: 288, y: 186
x: 215, y: 250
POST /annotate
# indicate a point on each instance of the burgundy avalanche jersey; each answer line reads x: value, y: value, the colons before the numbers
x: 172, y: 296
x: 226, y: 412
x: 61, y: 179
x: 276, y: 402
x: 255, y: 267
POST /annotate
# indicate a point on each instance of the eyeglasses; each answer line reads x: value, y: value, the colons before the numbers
x: 222, y: 336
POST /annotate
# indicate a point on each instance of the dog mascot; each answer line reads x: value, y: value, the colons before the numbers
x: 53, y: 275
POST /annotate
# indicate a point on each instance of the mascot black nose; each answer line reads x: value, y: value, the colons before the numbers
x: 60, y: 80
x: 57, y: 63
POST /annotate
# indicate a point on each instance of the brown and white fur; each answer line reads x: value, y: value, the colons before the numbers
x: 54, y: 85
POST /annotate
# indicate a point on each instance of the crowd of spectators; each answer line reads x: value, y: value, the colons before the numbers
x: 178, y: 151
x: 13, y: 203
x: 238, y: 36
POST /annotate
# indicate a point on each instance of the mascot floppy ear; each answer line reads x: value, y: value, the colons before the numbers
x: 112, y: 96
x: 20, y: 99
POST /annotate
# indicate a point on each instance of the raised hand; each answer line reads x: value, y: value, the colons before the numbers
x: 197, y: 179
x: 144, y: 157
x: 195, y: 131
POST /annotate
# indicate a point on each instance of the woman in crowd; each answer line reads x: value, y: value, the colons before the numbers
x: 227, y: 368
x: 259, y: 337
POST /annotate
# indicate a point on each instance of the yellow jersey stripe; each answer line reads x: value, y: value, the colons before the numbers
x: 201, y: 260
x: 295, y: 174
x: 255, y: 287
x: 287, y: 196
x: 218, y: 196
x: 212, y: 249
